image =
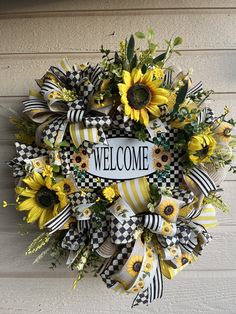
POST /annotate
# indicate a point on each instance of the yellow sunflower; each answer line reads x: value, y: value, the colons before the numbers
x: 166, y: 229
x: 139, y: 285
x: 223, y: 132
x: 44, y: 199
x: 184, y: 259
x: 134, y: 265
x: 168, y: 209
x: 141, y: 94
x: 201, y: 147
x: 148, y: 265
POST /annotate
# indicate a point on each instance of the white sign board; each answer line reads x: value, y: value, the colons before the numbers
x: 122, y: 158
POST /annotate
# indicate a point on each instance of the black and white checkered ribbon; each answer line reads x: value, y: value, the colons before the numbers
x: 23, y: 153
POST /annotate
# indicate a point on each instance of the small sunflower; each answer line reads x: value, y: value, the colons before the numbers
x: 87, y: 212
x: 81, y: 159
x: 44, y: 199
x: 148, y: 264
x: 168, y: 209
x: 201, y: 147
x: 67, y: 185
x: 139, y: 285
x: 184, y: 259
x: 166, y: 229
x: 223, y: 132
x: 157, y: 165
x: 141, y: 94
x: 134, y: 265
x: 159, y: 154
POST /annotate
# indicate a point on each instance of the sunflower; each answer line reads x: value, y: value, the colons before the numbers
x: 140, y: 94
x: 184, y: 259
x: 201, y: 147
x: 134, y: 265
x: 159, y: 154
x: 81, y: 159
x: 139, y: 285
x: 44, y: 199
x: 166, y: 229
x: 168, y: 209
x: 223, y: 132
x: 148, y: 264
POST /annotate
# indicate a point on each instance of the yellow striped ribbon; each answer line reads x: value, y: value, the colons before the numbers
x: 208, y: 217
x: 136, y: 193
x: 79, y: 134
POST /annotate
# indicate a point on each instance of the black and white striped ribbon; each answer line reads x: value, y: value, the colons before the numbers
x: 167, y: 78
x: 33, y: 104
x: 195, y: 89
x: 57, y: 222
x: 48, y: 86
x: 75, y: 115
x: 203, y: 180
x: 153, y: 222
x: 206, y: 115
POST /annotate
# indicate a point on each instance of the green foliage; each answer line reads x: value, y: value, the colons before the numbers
x: 140, y: 132
x: 38, y: 243
x: 217, y: 201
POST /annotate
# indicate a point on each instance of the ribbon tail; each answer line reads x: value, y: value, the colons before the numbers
x: 57, y: 222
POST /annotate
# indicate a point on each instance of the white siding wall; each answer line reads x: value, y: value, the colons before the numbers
x: 36, y: 34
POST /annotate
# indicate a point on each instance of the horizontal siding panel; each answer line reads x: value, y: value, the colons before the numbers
x: 85, y: 33
x: 212, y: 293
x: 218, y: 255
x: 17, y: 74
x: 89, y: 5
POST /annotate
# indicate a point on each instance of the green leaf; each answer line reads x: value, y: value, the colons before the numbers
x: 64, y: 144
x: 144, y: 69
x: 134, y: 62
x: 181, y: 96
x: 48, y: 143
x: 151, y: 31
x: 56, y: 168
x: 130, y: 49
x: 140, y: 35
x: 178, y: 41
x: 159, y: 58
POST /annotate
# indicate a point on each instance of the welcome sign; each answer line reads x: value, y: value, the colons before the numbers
x: 123, y: 158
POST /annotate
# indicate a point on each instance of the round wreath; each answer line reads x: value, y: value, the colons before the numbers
x: 141, y: 211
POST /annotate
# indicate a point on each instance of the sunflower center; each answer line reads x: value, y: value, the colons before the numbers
x: 46, y: 198
x: 227, y: 132
x: 184, y: 260
x: 137, y: 266
x: 169, y: 210
x: 139, y: 96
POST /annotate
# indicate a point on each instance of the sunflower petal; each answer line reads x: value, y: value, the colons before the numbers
x: 38, y: 178
x: 148, y: 76
x: 144, y: 117
x: 126, y: 78
x: 32, y: 183
x: 44, y: 217
x: 136, y: 75
x: 28, y: 204
x: 34, y: 214
x: 123, y: 89
x: 28, y: 193
x: 154, y: 110
x: 159, y: 100
x: 136, y: 114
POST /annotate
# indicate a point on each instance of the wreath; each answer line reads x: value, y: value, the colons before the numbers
x: 120, y: 165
